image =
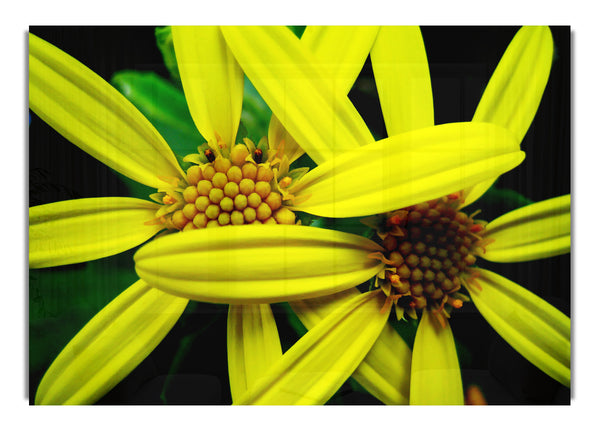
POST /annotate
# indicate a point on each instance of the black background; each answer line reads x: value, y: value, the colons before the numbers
x: 461, y: 61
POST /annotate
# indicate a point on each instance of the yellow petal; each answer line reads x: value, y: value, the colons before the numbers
x: 407, y: 169
x: 514, y: 91
x: 402, y: 77
x: 536, y: 231
x: 534, y: 328
x: 86, y: 229
x: 435, y: 377
x: 110, y: 346
x: 308, y: 104
x: 91, y: 114
x: 252, y: 345
x: 385, y: 371
x: 254, y: 264
x: 316, y: 366
x: 212, y: 80
x: 341, y: 52
x: 278, y: 134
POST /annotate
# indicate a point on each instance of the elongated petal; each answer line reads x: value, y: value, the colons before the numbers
x: 254, y: 264
x: 513, y: 94
x: 212, y: 80
x: 306, y: 102
x: 534, y: 328
x: 316, y: 366
x: 435, y: 377
x: 536, y: 231
x: 402, y: 76
x: 341, y: 52
x: 385, y: 371
x: 407, y: 169
x: 252, y: 345
x: 91, y: 114
x: 514, y: 91
x: 110, y: 346
x: 86, y: 229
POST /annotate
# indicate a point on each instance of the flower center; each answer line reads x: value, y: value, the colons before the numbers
x: 235, y: 187
x: 430, y: 251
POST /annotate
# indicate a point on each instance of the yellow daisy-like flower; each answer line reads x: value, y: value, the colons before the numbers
x: 247, y: 266
x: 426, y: 248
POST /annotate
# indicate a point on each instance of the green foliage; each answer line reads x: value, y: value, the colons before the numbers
x: 256, y: 115
x: 164, y: 105
x: 496, y: 202
x: 63, y: 299
x: 164, y: 42
x: 297, y: 29
x: 349, y: 225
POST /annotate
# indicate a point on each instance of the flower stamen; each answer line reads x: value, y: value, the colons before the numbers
x: 231, y: 187
x: 430, y: 250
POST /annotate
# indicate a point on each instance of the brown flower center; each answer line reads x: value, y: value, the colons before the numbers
x: 430, y: 251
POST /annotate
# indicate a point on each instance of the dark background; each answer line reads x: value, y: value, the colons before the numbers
x: 189, y: 366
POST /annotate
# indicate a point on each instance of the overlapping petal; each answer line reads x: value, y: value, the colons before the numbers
x: 341, y: 52
x: 385, y: 371
x: 304, y: 100
x: 435, y: 376
x: 212, y: 80
x: 316, y: 366
x: 257, y: 263
x: 79, y: 230
x: 536, y: 231
x: 91, y: 114
x: 407, y: 169
x: 252, y: 345
x: 110, y: 346
x: 513, y: 94
x: 534, y: 328
x: 402, y: 76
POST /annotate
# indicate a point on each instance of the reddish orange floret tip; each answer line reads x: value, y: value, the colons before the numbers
x: 476, y: 228
x: 456, y: 303
x: 168, y: 200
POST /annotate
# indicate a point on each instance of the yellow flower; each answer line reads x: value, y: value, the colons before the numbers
x: 246, y: 266
x: 358, y: 177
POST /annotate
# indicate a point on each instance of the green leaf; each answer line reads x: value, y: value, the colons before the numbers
x: 496, y: 202
x: 297, y: 29
x: 164, y: 41
x: 164, y: 105
x: 255, y: 113
x: 304, y: 161
x: 349, y: 225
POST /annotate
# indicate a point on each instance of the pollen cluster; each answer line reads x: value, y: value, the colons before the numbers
x: 224, y: 187
x: 430, y: 251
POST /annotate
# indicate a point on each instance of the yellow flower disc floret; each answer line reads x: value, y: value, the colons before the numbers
x: 234, y: 187
x: 430, y: 251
